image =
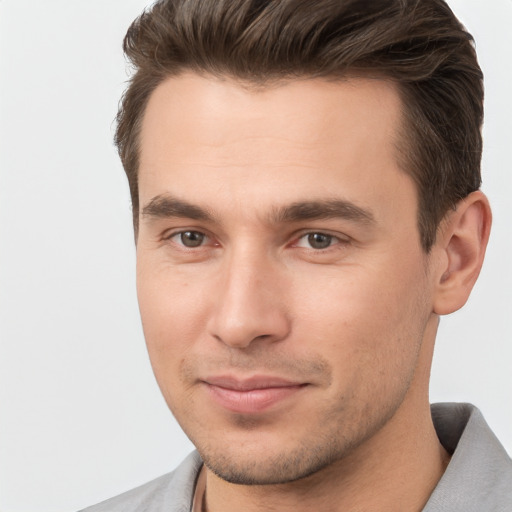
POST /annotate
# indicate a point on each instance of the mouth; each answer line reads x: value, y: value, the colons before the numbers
x: 252, y: 395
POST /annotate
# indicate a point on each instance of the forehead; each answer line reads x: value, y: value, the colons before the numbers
x: 208, y: 138
x: 215, y: 111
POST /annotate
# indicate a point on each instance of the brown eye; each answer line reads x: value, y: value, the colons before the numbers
x: 192, y: 238
x: 319, y: 240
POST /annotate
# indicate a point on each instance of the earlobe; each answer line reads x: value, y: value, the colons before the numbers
x: 462, y: 241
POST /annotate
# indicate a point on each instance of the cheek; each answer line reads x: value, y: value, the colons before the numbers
x: 172, y: 313
x: 366, y: 323
x: 170, y: 324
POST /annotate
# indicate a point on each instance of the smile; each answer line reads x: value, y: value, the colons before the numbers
x: 252, y: 395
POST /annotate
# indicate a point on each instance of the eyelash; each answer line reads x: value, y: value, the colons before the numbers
x: 180, y: 234
x: 333, y: 240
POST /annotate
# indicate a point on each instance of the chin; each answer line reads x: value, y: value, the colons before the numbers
x: 265, y: 466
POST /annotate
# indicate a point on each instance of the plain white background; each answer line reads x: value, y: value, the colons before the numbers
x: 81, y: 418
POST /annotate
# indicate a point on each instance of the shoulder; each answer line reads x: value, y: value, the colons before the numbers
x: 479, y: 475
x: 172, y: 492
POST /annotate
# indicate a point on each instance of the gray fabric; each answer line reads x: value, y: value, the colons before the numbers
x: 478, y: 478
x: 169, y: 493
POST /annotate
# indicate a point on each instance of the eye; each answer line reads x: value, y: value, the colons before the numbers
x: 316, y: 241
x: 190, y: 239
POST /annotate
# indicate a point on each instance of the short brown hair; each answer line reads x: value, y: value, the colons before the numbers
x: 419, y: 44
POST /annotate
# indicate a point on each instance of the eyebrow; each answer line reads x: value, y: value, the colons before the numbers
x: 168, y: 206
x: 322, y: 209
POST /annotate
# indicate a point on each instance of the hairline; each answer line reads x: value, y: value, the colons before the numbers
x: 404, y: 140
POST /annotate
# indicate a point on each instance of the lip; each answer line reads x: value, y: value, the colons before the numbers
x: 250, y: 395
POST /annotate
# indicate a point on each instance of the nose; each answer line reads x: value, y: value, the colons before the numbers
x: 251, y: 303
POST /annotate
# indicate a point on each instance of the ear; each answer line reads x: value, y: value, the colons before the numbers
x: 461, y: 243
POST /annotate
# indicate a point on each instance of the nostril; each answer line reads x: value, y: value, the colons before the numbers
x: 263, y: 337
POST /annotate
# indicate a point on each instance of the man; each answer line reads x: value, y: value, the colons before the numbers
x: 305, y: 186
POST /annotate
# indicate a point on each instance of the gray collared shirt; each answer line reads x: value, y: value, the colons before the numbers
x: 478, y: 477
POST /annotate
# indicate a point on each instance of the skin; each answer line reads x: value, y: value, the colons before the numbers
x: 234, y: 280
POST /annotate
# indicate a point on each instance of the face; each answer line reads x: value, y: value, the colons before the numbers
x: 283, y: 290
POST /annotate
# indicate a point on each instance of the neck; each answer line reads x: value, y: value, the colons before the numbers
x: 396, y: 469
